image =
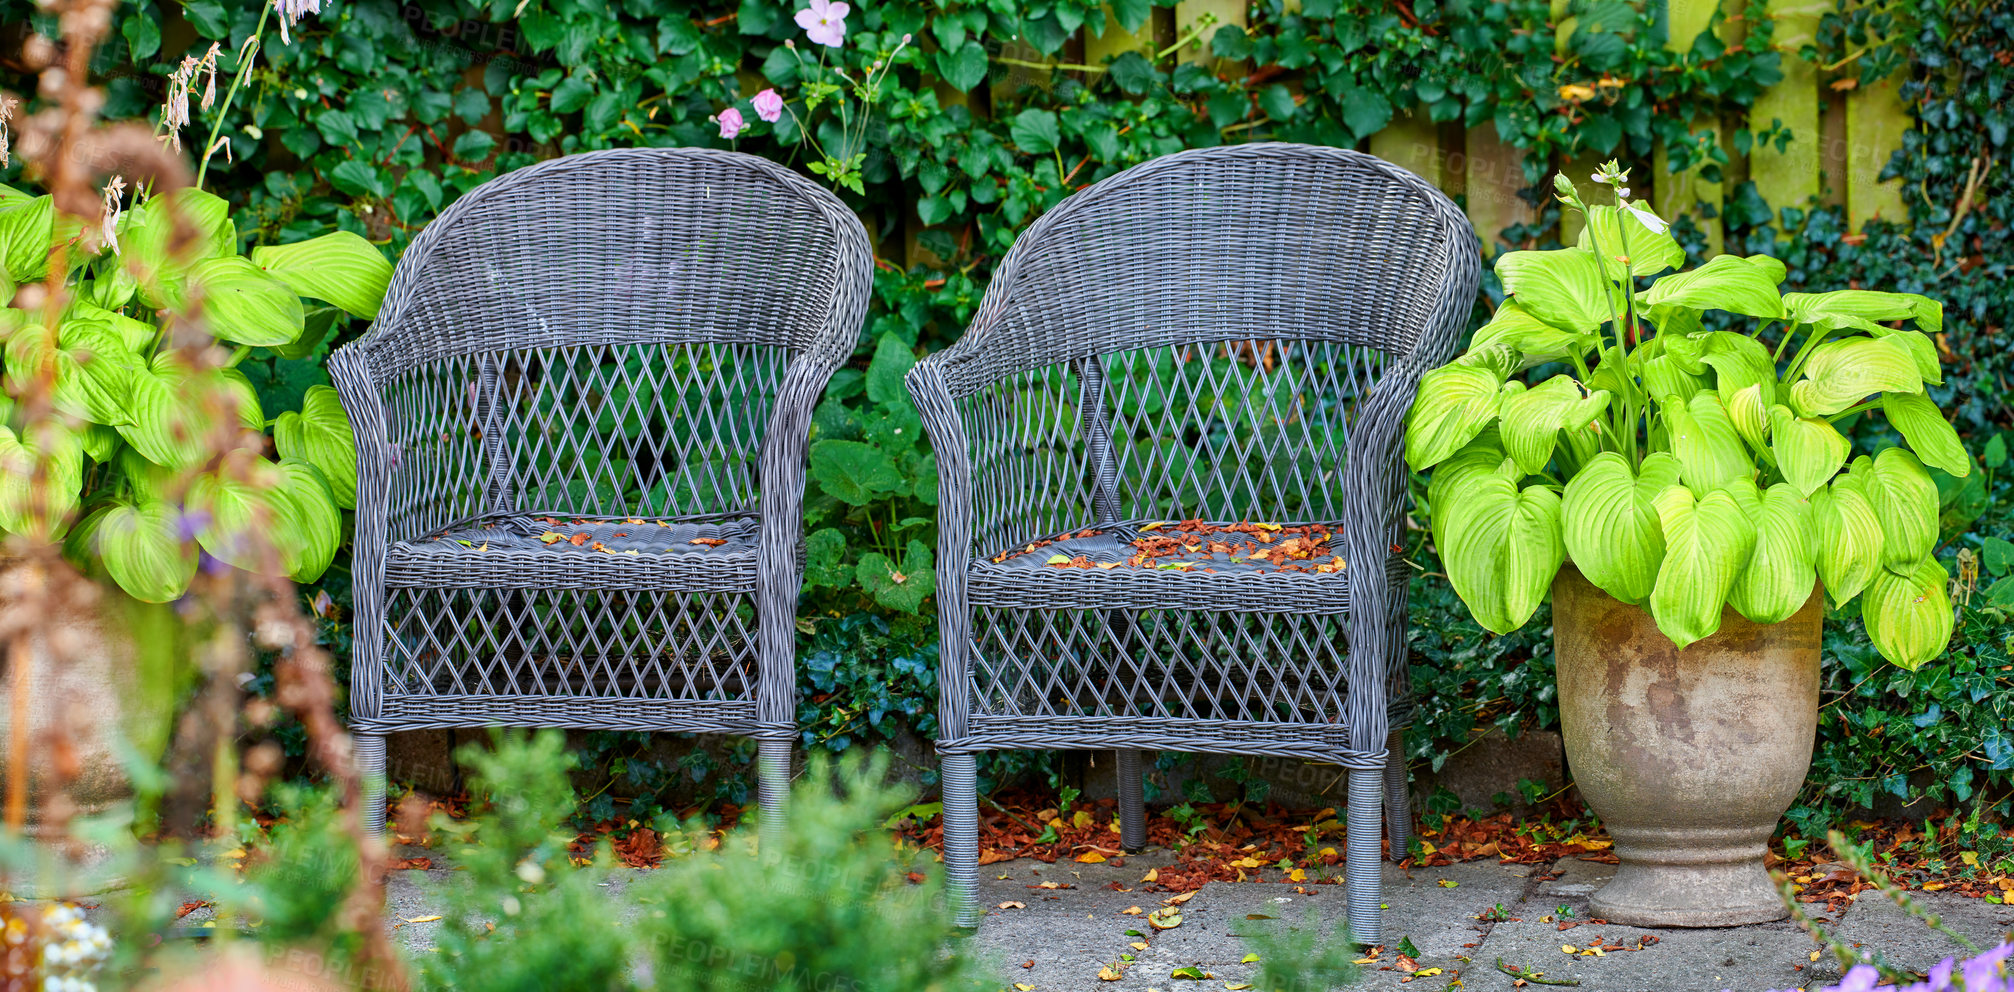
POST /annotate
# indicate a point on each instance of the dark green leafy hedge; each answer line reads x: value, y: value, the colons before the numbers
x: 379, y: 114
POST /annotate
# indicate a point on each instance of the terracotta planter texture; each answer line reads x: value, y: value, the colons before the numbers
x: 1689, y: 757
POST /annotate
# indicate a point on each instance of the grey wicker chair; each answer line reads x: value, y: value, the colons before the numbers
x: 581, y: 423
x: 1230, y: 334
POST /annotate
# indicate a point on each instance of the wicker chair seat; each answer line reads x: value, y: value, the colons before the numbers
x: 630, y: 553
x: 1102, y: 570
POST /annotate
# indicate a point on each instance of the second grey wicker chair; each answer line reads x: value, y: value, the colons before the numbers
x: 1218, y: 336
x: 581, y: 423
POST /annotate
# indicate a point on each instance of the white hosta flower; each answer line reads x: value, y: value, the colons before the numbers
x: 1648, y: 219
x: 291, y: 11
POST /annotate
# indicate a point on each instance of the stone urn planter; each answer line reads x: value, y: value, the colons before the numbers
x: 1689, y: 757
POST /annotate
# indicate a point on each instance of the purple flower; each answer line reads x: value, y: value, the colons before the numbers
x: 768, y: 106
x: 1862, y: 978
x: 824, y: 22
x: 731, y: 123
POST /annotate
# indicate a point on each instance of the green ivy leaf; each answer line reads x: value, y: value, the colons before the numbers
x: 900, y: 587
x: 853, y: 472
x: 1035, y: 131
x: 892, y: 361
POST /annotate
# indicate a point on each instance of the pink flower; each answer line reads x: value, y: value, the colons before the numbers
x: 731, y: 123
x: 768, y: 106
x: 824, y: 22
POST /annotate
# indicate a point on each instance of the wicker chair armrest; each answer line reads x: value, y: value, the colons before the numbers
x: 377, y: 457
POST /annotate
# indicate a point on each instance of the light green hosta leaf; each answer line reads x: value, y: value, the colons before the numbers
x: 1908, y: 617
x: 243, y: 305
x: 1455, y: 402
x: 245, y: 397
x: 1501, y: 547
x: 100, y: 442
x: 137, y: 335
x: 1904, y: 498
x: 308, y: 527
x: 39, y: 512
x: 1725, y: 282
x: 1563, y: 287
x: 1610, y: 524
x: 1844, y: 372
x: 1823, y: 309
x: 320, y: 434
x: 340, y: 268
x: 1535, y: 341
x: 168, y: 417
x: 27, y: 230
x: 149, y: 231
x: 93, y: 369
x: 238, y: 522
x: 1707, y: 542
x: 1738, y: 362
x: 1484, y: 455
x: 1773, y: 266
x: 1706, y: 445
x: 1650, y: 252
x: 1849, y: 538
x: 1782, y: 570
x: 1750, y: 416
x: 1532, y: 419
x: 143, y: 549
x: 147, y: 480
x: 1577, y: 445
x: 1665, y: 378
x: 1809, y: 450
x: 1929, y: 435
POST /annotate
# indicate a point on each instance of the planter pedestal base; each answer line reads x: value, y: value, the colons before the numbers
x: 1688, y: 877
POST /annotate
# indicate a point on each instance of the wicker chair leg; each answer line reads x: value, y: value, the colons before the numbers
x: 370, y: 751
x: 961, y: 837
x: 772, y: 789
x: 1363, y: 864
x: 1132, y: 801
x: 1398, y: 798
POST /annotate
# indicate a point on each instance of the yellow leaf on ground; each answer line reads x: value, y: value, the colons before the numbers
x: 1081, y: 819
x: 1297, y: 875
x: 1932, y: 886
x: 1166, y: 918
x: 1138, y: 945
x: 1247, y: 863
x: 1236, y: 986
x: 1130, y: 911
x: 1426, y: 973
x: 1180, y: 899
x: 1814, y: 955
x: 423, y: 919
x: 1011, y: 904
x: 1024, y: 987
x: 1568, y: 949
x: 1151, y: 875
x: 1090, y: 858
x: 1109, y: 974
x: 1969, y: 857
x: 1249, y: 959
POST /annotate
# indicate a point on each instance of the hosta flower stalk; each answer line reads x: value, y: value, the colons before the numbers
x: 1684, y: 469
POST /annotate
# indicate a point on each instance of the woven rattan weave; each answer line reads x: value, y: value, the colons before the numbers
x: 1214, y: 339
x: 581, y: 422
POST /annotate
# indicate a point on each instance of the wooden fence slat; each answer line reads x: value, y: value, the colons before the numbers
x: 1790, y: 178
x: 1116, y: 40
x: 1188, y: 12
x: 1493, y: 174
x: 1875, y: 121
x: 1680, y: 193
x: 1411, y: 141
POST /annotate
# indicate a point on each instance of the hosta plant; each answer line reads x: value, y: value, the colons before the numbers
x: 157, y: 451
x: 1680, y: 468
